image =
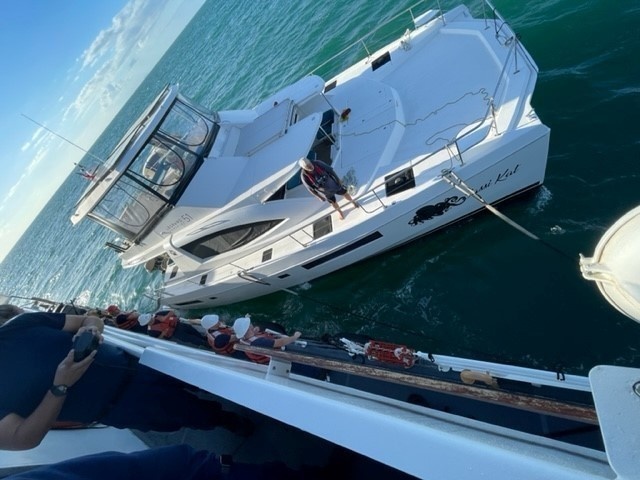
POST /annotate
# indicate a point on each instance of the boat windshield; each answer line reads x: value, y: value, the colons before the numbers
x: 160, y: 171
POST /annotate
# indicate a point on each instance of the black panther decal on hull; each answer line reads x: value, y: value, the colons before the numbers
x: 429, y: 211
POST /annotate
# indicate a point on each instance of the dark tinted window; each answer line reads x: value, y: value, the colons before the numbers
x: 225, y: 240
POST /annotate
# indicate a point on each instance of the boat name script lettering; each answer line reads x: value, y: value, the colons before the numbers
x: 500, y: 178
x: 178, y: 223
x: 485, y: 186
x: 507, y: 173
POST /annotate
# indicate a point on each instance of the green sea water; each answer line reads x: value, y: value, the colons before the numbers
x: 478, y: 288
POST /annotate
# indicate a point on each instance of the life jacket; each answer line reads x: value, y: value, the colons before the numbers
x: 163, y: 324
x: 227, y: 349
x: 124, y: 322
x: 318, y: 177
x: 255, y: 357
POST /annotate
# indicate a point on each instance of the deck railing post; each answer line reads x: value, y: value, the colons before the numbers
x: 515, y: 51
x: 366, y: 49
x: 444, y: 22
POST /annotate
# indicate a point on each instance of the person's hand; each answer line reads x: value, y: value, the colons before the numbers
x: 296, y: 335
x: 69, y: 372
x: 94, y: 330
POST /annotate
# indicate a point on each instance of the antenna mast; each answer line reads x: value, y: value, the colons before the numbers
x: 63, y: 138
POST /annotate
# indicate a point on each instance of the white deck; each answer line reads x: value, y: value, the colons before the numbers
x: 422, y: 442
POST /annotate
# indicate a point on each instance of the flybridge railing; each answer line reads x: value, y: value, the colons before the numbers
x: 491, y: 16
x: 508, y: 38
x: 362, y: 41
x: 499, y: 23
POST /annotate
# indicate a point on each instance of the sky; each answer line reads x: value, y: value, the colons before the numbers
x: 69, y: 65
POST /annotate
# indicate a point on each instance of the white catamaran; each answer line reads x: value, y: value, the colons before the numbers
x: 423, y: 131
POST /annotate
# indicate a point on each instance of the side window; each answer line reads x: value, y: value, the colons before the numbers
x: 226, y: 240
x: 186, y: 126
x: 162, y: 166
x: 127, y: 206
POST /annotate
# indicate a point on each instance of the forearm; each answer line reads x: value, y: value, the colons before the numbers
x: 73, y: 323
x: 91, y: 321
x: 17, y: 433
x: 283, y: 341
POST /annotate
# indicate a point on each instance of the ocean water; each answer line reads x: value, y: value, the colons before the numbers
x: 479, y: 288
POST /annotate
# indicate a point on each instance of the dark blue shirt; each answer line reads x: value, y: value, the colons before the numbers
x: 264, y: 342
x: 32, y: 345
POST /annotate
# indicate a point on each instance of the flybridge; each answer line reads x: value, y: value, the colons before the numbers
x: 167, y: 146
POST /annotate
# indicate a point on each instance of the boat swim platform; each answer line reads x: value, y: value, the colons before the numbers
x: 432, y: 442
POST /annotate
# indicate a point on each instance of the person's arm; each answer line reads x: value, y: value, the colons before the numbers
x: 332, y: 173
x: 73, y: 323
x: 284, y: 340
x: 315, y: 192
x: 80, y: 323
x: 190, y: 321
x: 312, y: 190
x: 18, y: 433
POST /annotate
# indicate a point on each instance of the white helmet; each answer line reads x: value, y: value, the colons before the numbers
x: 209, y: 321
x: 145, y: 318
x: 305, y: 164
x: 241, y: 326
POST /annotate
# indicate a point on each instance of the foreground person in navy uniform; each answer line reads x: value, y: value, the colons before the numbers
x: 41, y: 384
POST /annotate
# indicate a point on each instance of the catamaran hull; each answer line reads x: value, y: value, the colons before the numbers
x: 425, y: 131
x: 399, y: 223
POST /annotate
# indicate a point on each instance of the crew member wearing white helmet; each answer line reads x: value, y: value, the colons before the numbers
x: 219, y: 336
x: 166, y: 324
x: 249, y: 334
x: 132, y: 321
x: 323, y: 183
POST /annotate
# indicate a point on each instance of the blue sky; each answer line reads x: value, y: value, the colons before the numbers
x: 69, y: 65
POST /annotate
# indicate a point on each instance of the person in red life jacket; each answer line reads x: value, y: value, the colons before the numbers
x: 249, y: 334
x: 132, y: 321
x: 323, y: 183
x: 167, y: 325
x: 107, y: 315
x: 220, y: 337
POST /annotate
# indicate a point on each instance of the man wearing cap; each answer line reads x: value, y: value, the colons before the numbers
x: 249, y: 334
x: 323, y: 183
x: 220, y: 337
